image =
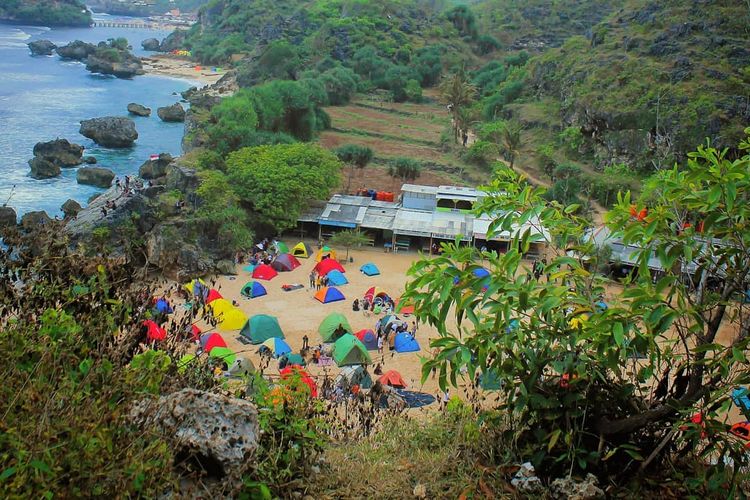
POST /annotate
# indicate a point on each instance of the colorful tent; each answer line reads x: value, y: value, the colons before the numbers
x: 225, y: 354
x: 253, y: 289
x: 195, y: 332
x: 368, y: 338
x: 336, y: 278
x: 334, y: 326
x: 370, y: 269
x: 154, y: 331
x: 294, y: 359
x: 348, y: 350
x: 302, y: 250
x: 242, y: 367
x: 190, y: 287
x: 264, y: 272
x: 162, y: 305
x: 211, y: 340
x: 281, y: 247
x: 354, y: 375
x: 219, y: 306
x: 212, y: 296
x: 277, y: 346
x: 291, y: 371
x: 326, y: 266
x: 393, y: 378
x: 285, y: 262
x: 480, y: 272
x: 326, y: 253
x: 260, y: 328
x: 404, y: 307
x: 329, y: 294
x: 232, y: 320
x: 404, y: 342
x: 374, y: 292
x: 249, y: 268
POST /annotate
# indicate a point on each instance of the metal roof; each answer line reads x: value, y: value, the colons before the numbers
x: 482, y: 225
x: 412, y: 222
x: 378, y: 216
x: 312, y: 212
x: 458, y: 193
x: 448, y: 225
x: 418, y: 188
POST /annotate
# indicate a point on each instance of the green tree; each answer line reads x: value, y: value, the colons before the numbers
x: 457, y: 93
x: 404, y: 169
x: 511, y: 141
x: 349, y: 239
x: 463, y: 20
x: 234, y: 121
x: 355, y: 156
x: 572, y: 398
x: 397, y: 79
x: 278, y: 182
x: 219, y: 214
x: 340, y: 84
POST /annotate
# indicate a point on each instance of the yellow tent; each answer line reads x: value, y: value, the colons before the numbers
x: 326, y: 251
x: 232, y: 319
x: 220, y: 306
x: 189, y: 287
x: 302, y: 249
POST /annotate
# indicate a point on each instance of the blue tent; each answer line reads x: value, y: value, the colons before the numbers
x: 370, y: 269
x: 481, y: 272
x: 200, y: 290
x: 163, y: 306
x: 253, y: 289
x: 404, y: 342
x: 337, y: 278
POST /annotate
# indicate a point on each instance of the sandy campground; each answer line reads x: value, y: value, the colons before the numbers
x: 169, y: 65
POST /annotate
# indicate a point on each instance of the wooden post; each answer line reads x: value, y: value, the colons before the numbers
x: 430, y: 244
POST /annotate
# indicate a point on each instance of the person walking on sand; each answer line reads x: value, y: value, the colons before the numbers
x: 312, y: 279
x: 317, y: 283
x: 380, y: 344
x: 305, y: 340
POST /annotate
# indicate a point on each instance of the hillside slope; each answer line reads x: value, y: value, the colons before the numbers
x: 46, y: 12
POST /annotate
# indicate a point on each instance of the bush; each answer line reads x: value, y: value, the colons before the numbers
x: 571, y: 139
x: 480, y: 153
x: 486, y: 44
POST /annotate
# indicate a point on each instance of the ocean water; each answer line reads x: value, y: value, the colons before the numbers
x: 43, y: 98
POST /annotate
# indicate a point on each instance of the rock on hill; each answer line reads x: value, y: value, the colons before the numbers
x: 46, y: 12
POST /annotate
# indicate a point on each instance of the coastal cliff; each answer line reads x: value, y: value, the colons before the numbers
x: 46, y: 12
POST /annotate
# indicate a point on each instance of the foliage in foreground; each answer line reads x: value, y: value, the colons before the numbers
x: 596, y: 382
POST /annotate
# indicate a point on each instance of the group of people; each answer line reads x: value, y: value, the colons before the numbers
x: 261, y: 253
x: 318, y: 281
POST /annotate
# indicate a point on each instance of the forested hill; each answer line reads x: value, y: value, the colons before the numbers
x: 45, y: 12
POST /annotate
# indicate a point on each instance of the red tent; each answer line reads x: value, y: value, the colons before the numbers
x: 393, y: 378
x: 285, y: 262
x: 405, y: 308
x: 155, y: 332
x: 368, y: 338
x: 195, y: 332
x: 264, y: 272
x: 213, y: 295
x: 289, y: 371
x: 213, y: 340
x: 325, y: 266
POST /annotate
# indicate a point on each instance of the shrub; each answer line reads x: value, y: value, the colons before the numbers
x: 480, y: 153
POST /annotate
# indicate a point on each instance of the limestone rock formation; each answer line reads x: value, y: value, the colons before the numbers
x: 89, y: 160
x: 138, y: 109
x: 8, y: 217
x: 123, y: 65
x: 61, y: 152
x: 30, y: 220
x: 173, y: 113
x: 152, y: 169
x: 77, y: 50
x: 41, y: 47
x: 95, y: 176
x: 151, y: 44
x: 110, y: 131
x: 71, y: 208
x: 569, y: 489
x: 216, y: 429
x: 43, y: 169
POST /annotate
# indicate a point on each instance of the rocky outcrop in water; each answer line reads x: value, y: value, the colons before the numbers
x: 77, y: 50
x: 89, y: 160
x: 221, y: 432
x: 138, y: 109
x: 61, y: 152
x: 153, y: 169
x: 110, y: 131
x: 173, y: 113
x: 110, y: 61
x: 151, y: 44
x: 41, y: 47
x: 43, y: 169
x: 175, y: 41
x: 71, y: 208
x: 8, y: 217
x: 95, y: 176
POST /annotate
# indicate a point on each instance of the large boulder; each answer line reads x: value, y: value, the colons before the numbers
x: 173, y: 113
x: 71, y: 208
x: 151, y: 44
x: 568, y: 488
x: 30, y: 220
x: 152, y: 169
x: 219, y: 431
x: 61, y: 152
x: 138, y: 109
x: 95, y: 176
x: 77, y: 50
x: 175, y: 41
x: 121, y: 64
x: 41, y: 47
x: 89, y: 160
x: 8, y: 217
x: 183, y: 179
x: 110, y: 131
x: 43, y: 169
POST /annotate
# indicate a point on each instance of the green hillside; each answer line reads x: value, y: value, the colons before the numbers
x: 46, y: 12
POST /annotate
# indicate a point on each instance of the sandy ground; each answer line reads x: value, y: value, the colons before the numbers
x: 169, y: 65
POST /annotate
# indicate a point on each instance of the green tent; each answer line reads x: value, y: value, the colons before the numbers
x: 490, y: 381
x: 281, y: 247
x: 183, y: 362
x: 225, y: 354
x: 348, y: 350
x: 260, y: 328
x: 330, y: 324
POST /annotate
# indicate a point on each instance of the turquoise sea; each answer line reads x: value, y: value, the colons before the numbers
x: 43, y: 98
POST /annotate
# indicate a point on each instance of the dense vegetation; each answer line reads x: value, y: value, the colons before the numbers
x: 46, y: 12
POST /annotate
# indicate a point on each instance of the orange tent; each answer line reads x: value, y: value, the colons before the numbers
x: 393, y: 378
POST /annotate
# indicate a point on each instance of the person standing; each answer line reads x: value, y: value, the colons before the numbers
x: 312, y: 279
x: 305, y: 344
x: 380, y: 344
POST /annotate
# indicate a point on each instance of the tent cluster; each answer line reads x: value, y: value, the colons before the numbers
x: 228, y: 316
